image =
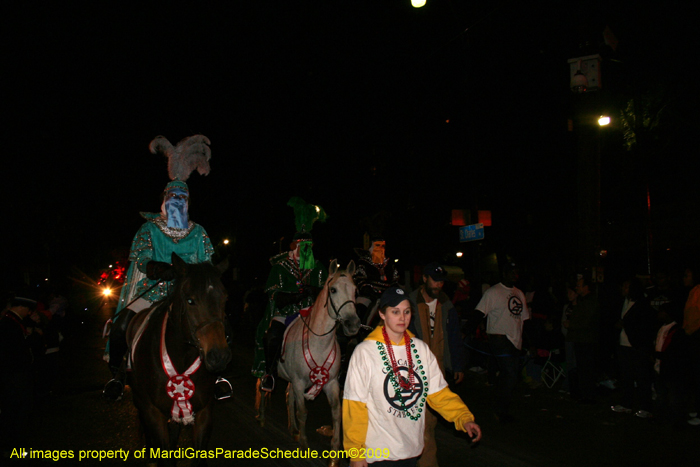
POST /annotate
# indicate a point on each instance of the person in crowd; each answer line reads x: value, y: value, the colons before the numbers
x: 505, y: 307
x: 670, y: 368
x: 570, y: 382
x: 583, y: 329
x: 437, y: 323
x: 638, y: 327
x: 374, y: 274
x: 392, y: 379
x: 16, y: 382
x: 691, y: 329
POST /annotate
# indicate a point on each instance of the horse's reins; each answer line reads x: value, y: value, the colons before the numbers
x: 337, y: 319
x: 144, y: 293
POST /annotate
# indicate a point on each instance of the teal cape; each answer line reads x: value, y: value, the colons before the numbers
x: 155, y: 241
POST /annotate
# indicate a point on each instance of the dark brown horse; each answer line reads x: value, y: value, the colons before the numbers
x: 178, y: 347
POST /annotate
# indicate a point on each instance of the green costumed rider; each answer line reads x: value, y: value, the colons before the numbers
x: 294, y: 282
x: 150, y: 275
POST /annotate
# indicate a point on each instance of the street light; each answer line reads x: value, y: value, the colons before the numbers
x: 604, y: 120
x: 417, y: 3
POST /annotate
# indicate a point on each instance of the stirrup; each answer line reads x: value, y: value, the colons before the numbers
x: 267, y: 383
x: 223, y: 393
x: 113, y: 390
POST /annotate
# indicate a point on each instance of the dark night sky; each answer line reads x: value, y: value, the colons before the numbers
x: 343, y: 103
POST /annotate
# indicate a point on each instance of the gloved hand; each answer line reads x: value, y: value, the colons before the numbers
x: 159, y: 270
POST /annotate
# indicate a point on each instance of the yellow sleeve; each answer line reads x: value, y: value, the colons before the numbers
x: 450, y: 406
x: 355, y: 422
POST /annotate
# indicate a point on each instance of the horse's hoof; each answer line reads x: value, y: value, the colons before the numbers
x: 325, y: 430
x: 334, y: 463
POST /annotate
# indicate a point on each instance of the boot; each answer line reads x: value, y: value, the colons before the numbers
x: 114, y: 388
x: 273, y: 345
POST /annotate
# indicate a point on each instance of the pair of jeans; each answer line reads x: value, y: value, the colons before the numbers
x: 507, y: 357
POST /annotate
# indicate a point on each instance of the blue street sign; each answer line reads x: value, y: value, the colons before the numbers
x: 469, y: 233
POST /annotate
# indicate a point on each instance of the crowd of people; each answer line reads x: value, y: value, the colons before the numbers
x: 637, y: 336
x: 643, y: 340
x: 30, y: 338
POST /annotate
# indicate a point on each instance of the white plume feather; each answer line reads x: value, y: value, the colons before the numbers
x: 190, y: 154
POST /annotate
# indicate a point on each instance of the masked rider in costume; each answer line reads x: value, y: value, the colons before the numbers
x: 374, y: 274
x: 150, y: 275
x: 294, y: 282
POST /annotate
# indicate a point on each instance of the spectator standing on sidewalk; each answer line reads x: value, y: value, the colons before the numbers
x: 638, y: 326
x: 583, y: 329
x: 505, y: 307
x: 691, y: 328
x: 16, y: 388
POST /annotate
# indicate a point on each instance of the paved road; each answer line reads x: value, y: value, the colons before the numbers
x: 550, y: 429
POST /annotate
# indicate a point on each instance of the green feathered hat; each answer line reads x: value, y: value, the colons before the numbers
x: 305, y: 215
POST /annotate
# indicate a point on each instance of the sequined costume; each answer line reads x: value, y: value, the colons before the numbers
x: 155, y: 241
x: 372, y: 279
x: 285, y: 279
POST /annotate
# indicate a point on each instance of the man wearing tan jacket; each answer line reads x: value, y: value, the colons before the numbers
x: 436, y: 322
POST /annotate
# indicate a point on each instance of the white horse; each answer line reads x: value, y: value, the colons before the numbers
x: 310, y: 358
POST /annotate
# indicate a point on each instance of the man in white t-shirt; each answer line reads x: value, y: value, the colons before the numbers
x: 506, y: 308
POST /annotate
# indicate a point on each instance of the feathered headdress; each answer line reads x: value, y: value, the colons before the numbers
x: 305, y: 215
x: 190, y: 154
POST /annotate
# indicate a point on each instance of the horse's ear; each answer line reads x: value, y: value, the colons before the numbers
x: 333, y: 268
x: 351, y: 269
x: 179, y: 264
x: 222, y: 266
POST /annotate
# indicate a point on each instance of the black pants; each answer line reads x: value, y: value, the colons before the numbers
x: 273, y: 346
x: 586, y: 368
x: 635, y: 367
x: 507, y: 357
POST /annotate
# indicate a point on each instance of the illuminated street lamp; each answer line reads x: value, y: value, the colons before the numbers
x: 226, y: 241
x: 459, y: 254
x: 604, y: 120
x: 417, y: 3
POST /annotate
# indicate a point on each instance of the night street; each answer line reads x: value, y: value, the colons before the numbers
x: 550, y: 430
x: 552, y: 141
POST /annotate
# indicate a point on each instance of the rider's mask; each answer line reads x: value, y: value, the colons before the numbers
x: 176, y: 204
x: 306, y: 256
x: 377, y: 250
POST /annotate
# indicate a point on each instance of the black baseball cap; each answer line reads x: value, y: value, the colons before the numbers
x: 392, y: 297
x: 436, y: 272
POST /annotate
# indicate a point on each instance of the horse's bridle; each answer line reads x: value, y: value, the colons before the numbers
x: 338, y: 320
x: 194, y: 330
